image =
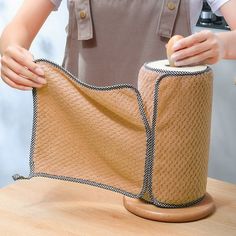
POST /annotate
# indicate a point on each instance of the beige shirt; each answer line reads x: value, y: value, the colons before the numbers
x: 108, y: 41
x: 195, y: 7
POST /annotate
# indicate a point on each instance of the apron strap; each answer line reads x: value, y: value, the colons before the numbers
x: 84, y: 19
x: 167, y: 18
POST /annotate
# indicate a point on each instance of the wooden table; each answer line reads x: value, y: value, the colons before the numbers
x: 43, y: 207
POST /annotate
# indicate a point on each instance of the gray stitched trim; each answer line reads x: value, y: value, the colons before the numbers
x: 85, y: 181
x: 167, y: 205
x: 35, y: 109
x: 166, y: 74
x: 106, y: 88
x: 150, y: 137
x: 176, y: 73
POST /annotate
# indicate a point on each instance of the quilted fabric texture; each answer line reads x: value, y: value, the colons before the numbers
x: 150, y: 143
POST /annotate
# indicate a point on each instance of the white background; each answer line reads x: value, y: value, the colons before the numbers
x: 16, y: 106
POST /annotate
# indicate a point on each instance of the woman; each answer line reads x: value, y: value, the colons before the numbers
x: 108, y: 41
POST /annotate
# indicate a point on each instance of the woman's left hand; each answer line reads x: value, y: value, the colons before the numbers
x: 203, y: 47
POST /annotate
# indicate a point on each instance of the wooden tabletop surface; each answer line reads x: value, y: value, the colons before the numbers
x: 42, y: 207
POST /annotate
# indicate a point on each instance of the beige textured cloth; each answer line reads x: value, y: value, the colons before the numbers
x: 151, y: 142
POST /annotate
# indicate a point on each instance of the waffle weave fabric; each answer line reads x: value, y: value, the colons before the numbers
x: 150, y: 143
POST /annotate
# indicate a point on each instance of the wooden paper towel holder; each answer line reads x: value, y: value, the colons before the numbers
x: 148, y: 211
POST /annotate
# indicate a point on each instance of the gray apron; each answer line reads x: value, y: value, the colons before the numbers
x: 109, y: 40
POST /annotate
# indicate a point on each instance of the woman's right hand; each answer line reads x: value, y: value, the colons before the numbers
x: 19, y: 71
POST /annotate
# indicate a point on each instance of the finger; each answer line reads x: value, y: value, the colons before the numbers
x: 189, y: 52
x: 28, y: 54
x: 210, y: 60
x: 20, y: 57
x: 17, y: 79
x: 14, y: 85
x: 195, y: 60
x: 20, y: 70
x: 192, y: 39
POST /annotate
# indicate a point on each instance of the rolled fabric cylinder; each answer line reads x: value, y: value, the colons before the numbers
x: 150, y: 143
x: 178, y: 103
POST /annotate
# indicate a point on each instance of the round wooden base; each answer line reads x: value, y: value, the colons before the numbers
x: 151, y: 212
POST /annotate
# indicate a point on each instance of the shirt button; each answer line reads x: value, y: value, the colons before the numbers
x: 82, y: 14
x: 171, y: 6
